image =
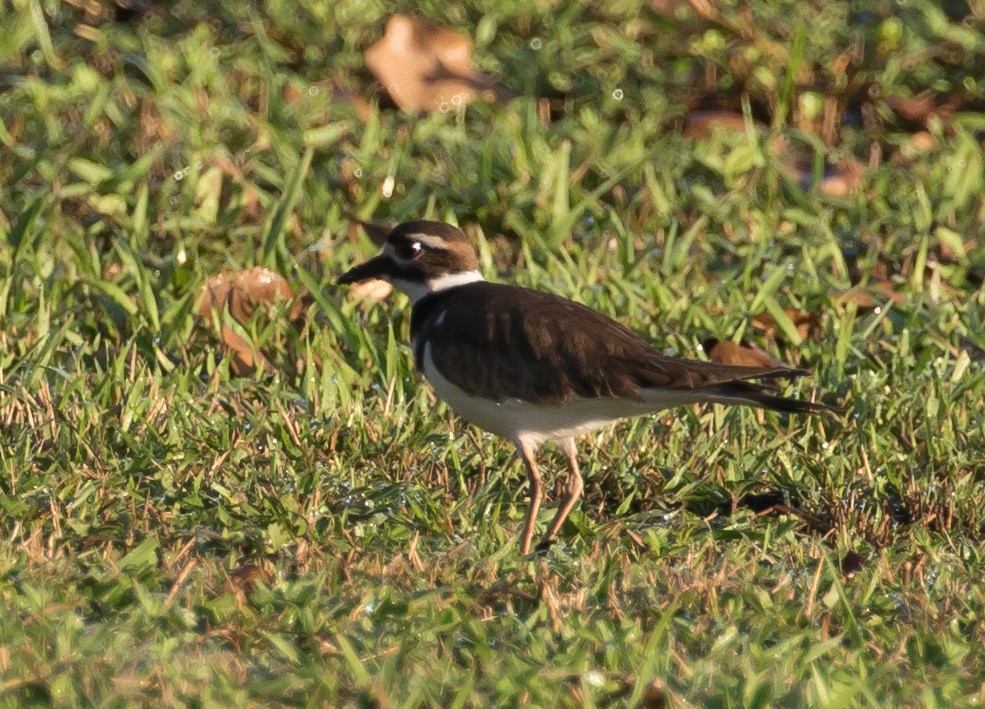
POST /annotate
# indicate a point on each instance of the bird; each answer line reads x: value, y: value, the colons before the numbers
x: 534, y: 367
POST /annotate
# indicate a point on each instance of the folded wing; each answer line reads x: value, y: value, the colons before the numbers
x: 505, y: 342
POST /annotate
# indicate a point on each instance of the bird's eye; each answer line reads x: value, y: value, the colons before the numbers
x: 409, y: 250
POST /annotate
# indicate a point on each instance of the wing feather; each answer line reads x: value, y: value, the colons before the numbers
x: 504, y: 342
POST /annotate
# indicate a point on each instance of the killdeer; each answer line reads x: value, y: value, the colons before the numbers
x: 535, y: 367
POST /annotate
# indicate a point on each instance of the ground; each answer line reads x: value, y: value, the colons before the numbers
x: 262, y: 505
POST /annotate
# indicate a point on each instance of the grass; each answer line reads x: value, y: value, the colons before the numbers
x: 323, y: 531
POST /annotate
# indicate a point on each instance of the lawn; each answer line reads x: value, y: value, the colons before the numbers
x: 213, y: 497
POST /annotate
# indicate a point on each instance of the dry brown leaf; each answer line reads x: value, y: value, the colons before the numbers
x: 858, y: 296
x: 702, y: 125
x: 806, y: 323
x: 242, y: 293
x: 374, y: 290
x: 913, y: 108
x: 428, y: 68
x: 729, y: 352
x: 923, y: 106
x: 870, y: 297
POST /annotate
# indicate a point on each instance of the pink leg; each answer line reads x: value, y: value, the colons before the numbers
x: 571, y: 494
x: 536, y: 494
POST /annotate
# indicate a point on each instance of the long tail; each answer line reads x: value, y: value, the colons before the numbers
x: 752, y: 394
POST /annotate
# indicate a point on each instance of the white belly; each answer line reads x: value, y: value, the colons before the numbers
x: 536, y: 424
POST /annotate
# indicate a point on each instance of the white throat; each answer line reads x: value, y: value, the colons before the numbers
x: 415, y: 290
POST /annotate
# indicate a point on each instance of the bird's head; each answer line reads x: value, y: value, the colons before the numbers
x: 419, y: 258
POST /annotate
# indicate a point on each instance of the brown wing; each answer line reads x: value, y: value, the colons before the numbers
x: 500, y: 342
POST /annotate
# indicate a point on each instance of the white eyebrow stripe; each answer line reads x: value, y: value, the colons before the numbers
x: 430, y: 240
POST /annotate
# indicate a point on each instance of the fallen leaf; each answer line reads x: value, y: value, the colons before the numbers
x: 241, y: 294
x: 921, y: 107
x: 701, y: 125
x: 913, y: 108
x: 704, y: 125
x: 428, y: 68
x: 243, y: 291
x: 870, y: 297
x: 729, y: 352
x: 374, y: 290
x: 806, y: 323
x: 857, y: 296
